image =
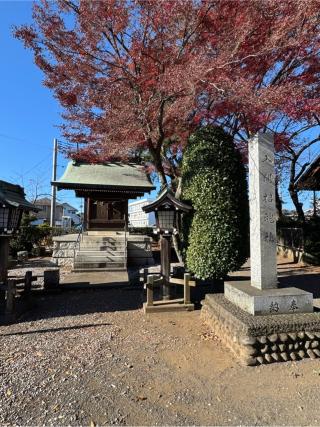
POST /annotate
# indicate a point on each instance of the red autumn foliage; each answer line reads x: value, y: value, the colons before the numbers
x: 135, y: 74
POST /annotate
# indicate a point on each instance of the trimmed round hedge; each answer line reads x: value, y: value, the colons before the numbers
x: 216, y: 236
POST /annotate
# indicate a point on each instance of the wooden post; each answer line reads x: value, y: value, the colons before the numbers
x: 165, y: 248
x: 11, y: 297
x: 186, y: 288
x: 85, y: 214
x: 150, y: 281
x: 145, y: 275
x: 27, y: 283
x: 4, y: 255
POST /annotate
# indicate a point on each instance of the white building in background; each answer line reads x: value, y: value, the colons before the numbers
x: 138, y: 218
x: 70, y: 215
x: 65, y: 215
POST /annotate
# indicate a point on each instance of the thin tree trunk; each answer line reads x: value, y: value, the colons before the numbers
x: 278, y: 202
x: 293, y: 191
x: 176, y: 245
x: 175, y: 237
x: 295, y: 199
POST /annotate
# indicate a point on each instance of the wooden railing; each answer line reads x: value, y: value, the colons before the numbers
x: 9, y: 292
x: 77, y: 244
x: 154, y: 280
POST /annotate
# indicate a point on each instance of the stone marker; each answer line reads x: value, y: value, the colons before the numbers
x: 51, y: 278
x: 260, y: 296
x: 263, y: 240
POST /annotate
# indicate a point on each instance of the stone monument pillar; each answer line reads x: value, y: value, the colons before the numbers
x: 261, y: 295
x: 263, y: 241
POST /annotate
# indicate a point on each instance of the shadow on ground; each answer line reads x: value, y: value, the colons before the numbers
x: 306, y: 282
x: 82, y: 302
x: 65, y: 328
x: 290, y: 274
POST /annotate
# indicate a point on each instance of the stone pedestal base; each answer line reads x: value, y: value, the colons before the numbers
x: 257, y: 340
x: 268, y: 301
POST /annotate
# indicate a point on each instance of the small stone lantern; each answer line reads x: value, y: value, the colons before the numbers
x: 12, y: 205
x: 166, y: 208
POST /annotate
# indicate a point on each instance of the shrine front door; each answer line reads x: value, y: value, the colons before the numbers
x: 106, y: 214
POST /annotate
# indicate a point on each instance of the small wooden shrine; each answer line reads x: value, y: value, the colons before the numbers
x: 106, y: 189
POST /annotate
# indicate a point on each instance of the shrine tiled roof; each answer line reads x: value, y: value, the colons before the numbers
x: 109, y: 176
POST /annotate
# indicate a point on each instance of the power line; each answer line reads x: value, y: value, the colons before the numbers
x: 17, y: 139
x: 37, y: 164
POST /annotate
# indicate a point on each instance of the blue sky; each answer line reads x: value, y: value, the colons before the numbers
x: 29, y: 114
x: 28, y: 111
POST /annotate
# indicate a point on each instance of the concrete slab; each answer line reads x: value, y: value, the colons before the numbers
x: 268, y: 301
x: 95, y: 279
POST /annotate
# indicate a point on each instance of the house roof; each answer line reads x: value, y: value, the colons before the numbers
x: 67, y: 205
x: 109, y: 176
x: 45, y: 201
x: 13, y: 195
x: 310, y: 179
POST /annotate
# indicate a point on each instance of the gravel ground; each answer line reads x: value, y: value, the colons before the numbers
x: 37, y: 266
x: 92, y: 358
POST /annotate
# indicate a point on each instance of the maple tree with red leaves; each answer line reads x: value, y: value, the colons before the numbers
x: 136, y: 77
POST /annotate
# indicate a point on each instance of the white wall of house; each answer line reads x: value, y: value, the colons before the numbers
x: 138, y: 218
x: 71, y: 212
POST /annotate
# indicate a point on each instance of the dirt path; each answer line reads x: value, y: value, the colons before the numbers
x: 92, y: 357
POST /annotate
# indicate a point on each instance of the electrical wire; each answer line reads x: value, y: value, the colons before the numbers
x: 37, y: 164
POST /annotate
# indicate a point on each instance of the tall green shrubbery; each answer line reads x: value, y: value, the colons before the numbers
x: 216, y: 237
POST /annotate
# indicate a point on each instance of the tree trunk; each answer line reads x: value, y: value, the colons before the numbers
x: 176, y: 245
x: 175, y: 237
x: 295, y: 199
x: 278, y: 203
x: 293, y: 191
x: 156, y: 156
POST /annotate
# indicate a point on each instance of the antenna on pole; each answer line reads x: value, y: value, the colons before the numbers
x: 53, y: 187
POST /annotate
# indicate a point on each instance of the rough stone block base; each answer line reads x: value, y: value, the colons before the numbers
x: 268, y: 301
x: 257, y: 340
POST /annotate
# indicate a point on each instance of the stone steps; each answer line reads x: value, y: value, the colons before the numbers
x: 114, y: 234
x: 101, y: 251
x: 101, y: 247
x: 98, y: 266
x: 97, y: 270
x: 102, y: 258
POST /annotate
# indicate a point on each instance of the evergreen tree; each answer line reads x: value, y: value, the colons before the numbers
x: 216, y: 238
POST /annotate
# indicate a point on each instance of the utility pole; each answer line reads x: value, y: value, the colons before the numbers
x: 53, y: 187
